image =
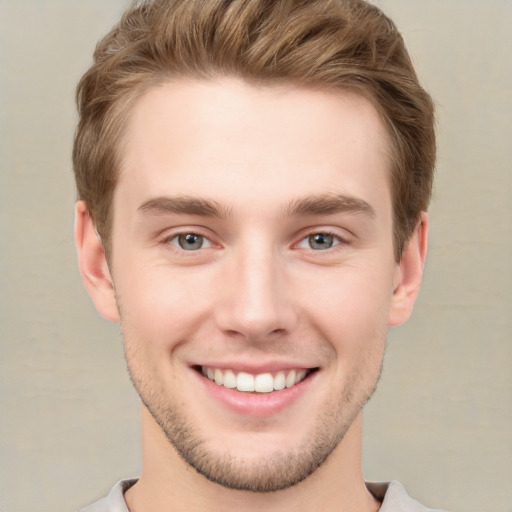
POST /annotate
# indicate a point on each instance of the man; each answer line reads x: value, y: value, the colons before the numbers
x: 253, y: 178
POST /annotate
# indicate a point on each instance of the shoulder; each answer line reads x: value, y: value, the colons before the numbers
x: 394, y: 498
x: 114, y: 501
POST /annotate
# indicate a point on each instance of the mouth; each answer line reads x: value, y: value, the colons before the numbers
x: 259, y: 383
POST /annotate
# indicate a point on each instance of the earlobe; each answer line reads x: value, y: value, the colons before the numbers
x: 93, y: 265
x: 409, y: 273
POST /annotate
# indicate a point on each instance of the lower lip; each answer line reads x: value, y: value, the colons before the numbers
x: 256, y: 404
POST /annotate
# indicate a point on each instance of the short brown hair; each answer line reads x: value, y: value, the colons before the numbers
x: 340, y: 44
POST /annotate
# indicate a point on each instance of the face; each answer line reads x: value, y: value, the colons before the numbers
x: 253, y: 269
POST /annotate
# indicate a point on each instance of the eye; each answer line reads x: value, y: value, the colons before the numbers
x: 190, y: 241
x: 319, y: 241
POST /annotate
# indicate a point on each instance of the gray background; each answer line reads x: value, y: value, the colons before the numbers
x: 441, y: 419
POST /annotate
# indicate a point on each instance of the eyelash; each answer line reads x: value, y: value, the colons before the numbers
x: 339, y: 241
x: 168, y: 241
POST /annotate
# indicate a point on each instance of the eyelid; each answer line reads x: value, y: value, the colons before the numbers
x: 207, y: 235
x: 174, y: 233
x: 207, y: 243
x: 340, y: 239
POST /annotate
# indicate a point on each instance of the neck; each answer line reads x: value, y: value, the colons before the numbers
x: 168, y: 483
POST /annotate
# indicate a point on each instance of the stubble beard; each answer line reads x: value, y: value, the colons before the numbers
x: 269, y: 473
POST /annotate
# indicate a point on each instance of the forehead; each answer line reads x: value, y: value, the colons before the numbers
x: 231, y: 138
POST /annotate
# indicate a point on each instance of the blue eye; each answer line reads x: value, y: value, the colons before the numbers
x: 190, y: 241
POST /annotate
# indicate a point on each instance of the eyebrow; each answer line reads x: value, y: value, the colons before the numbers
x: 325, y: 204
x: 329, y: 205
x: 183, y: 205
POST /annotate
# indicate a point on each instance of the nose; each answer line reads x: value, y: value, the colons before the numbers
x: 256, y: 297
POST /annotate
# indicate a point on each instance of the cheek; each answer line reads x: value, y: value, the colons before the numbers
x: 158, y: 316
x: 352, y: 305
x: 160, y: 309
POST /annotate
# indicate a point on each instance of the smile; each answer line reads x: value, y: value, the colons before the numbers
x: 261, y: 383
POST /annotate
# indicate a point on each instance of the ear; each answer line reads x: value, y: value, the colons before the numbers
x: 93, y: 266
x: 409, y: 273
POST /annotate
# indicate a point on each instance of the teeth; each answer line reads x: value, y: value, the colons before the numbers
x: 300, y: 376
x: 262, y: 383
x: 219, y: 377
x: 245, y: 382
x: 229, y: 379
x: 279, y: 381
x: 290, y: 379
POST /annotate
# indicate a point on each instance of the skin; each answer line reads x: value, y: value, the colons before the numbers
x: 275, y: 166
